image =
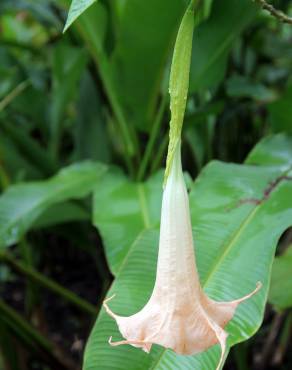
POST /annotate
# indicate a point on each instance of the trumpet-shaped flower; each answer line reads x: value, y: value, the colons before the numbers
x: 178, y: 315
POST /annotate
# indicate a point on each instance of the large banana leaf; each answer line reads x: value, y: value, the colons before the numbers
x: 238, y: 214
x: 142, y: 48
x: 214, y: 39
x: 127, y: 209
x: 22, y: 204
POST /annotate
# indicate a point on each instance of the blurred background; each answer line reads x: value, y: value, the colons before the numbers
x: 100, y: 92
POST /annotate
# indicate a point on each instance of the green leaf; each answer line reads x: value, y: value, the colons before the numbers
x: 62, y: 213
x: 122, y: 210
x: 22, y: 204
x: 76, y: 9
x: 68, y: 65
x: 90, y: 125
x: 235, y: 240
x: 214, y: 39
x: 29, y: 148
x: 140, y: 54
x: 280, y: 112
x: 17, y: 165
x: 242, y: 86
x: 273, y: 150
x: 281, y: 283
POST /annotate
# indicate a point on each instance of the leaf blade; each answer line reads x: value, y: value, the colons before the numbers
x: 22, y: 204
x: 76, y: 9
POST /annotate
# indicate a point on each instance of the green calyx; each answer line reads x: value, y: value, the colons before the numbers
x: 179, y: 81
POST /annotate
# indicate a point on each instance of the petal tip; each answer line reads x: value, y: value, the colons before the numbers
x: 107, y: 309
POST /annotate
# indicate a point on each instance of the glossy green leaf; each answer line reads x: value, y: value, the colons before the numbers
x: 281, y: 283
x: 236, y: 231
x: 76, y: 9
x: 272, y: 151
x: 214, y: 39
x: 122, y: 210
x: 22, y: 204
x: 141, y: 52
x: 62, y: 213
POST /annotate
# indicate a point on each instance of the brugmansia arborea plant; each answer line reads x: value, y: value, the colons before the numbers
x: 178, y: 315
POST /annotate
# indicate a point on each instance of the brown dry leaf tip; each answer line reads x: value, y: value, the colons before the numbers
x: 178, y: 315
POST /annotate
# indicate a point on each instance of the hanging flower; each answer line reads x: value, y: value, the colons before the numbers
x: 178, y: 315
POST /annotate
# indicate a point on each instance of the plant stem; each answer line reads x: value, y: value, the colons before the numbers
x: 49, y: 284
x: 13, y: 94
x: 274, y: 12
x: 152, y: 139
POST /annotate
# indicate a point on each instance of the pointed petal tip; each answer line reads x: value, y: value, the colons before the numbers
x: 240, y: 300
x: 222, y: 335
x: 136, y: 343
x: 223, y: 350
x: 107, y: 309
x: 258, y: 286
x: 109, y: 299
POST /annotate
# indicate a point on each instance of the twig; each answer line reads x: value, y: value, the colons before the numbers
x: 274, y: 12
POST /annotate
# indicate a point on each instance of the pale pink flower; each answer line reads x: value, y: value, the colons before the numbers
x: 178, y: 315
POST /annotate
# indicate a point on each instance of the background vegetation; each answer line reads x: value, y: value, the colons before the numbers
x: 83, y: 136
